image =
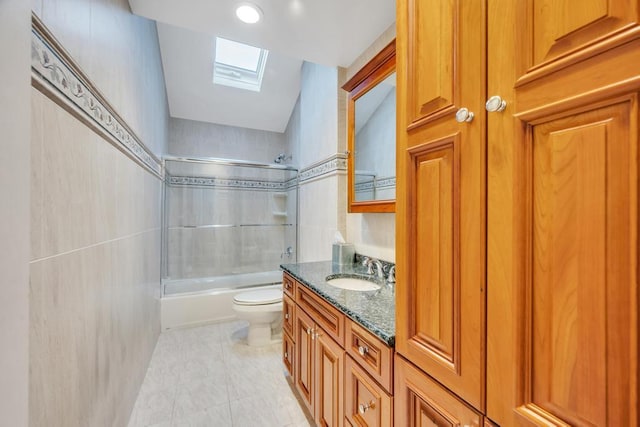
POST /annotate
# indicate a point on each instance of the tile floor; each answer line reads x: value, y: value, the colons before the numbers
x: 208, y: 376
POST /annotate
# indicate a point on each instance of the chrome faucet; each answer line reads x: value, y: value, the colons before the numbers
x: 391, y: 277
x: 372, y: 263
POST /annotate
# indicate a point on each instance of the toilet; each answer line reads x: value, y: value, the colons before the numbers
x: 263, y: 310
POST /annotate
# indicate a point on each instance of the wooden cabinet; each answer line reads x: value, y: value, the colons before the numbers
x: 329, y: 372
x: 319, y: 359
x: 331, y: 384
x: 422, y: 402
x: 371, y: 354
x: 562, y: 337
x: 526, y: 217
x: 288, y: 315
x: 366, y: 402
x: 440, y: 216
x: 288, y: 354
x: 304, y: 359
x: 288, y: 285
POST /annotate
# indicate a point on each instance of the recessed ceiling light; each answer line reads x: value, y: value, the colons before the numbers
x: 248, y: 13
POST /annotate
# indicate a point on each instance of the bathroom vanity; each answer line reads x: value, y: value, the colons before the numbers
x: 338, y: 343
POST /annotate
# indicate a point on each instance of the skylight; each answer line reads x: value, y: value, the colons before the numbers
x: 239, y: 65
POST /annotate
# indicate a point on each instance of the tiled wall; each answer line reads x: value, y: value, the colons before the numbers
x: 119, y: 52
x: 95, y: 224
x: 192, y: 138
x: 312, y: 136
x: 14, y: 211
x: 372, y: 233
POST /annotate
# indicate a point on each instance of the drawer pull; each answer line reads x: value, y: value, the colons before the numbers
x: 362, y: 408
x: 286, y: 355
x: 286, y: 315
x: 363, y: 350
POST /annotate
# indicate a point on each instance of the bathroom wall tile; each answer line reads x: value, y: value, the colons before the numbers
x: 126, y: 196
x: 37, y: 181
x: 67, y: 173
x: 153, y: 201
x: 318, y: 113
x: 69, y: 21
x: 95, y: 301
x: 193, y: 138
x: 103, y: 190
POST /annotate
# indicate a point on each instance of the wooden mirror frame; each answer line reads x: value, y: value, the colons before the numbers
x: 375, y: 71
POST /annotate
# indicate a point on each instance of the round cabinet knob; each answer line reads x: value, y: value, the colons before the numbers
x: 286, y: 315
x: 464, y: 115
x: 362, y: 408
x: 495, y: 104
x: 363, y: 350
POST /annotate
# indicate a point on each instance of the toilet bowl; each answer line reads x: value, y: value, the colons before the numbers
x: 263, y: 310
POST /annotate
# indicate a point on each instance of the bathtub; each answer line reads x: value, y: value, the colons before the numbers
x: 199, y: 301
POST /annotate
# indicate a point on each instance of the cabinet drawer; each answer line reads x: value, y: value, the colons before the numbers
x: 288, y: 353
x: 366, y: 403
x: 323, y: 313
x: 288, y: 285
x: 372, y: 354
x: 422, y: 401
x: 288, y: 315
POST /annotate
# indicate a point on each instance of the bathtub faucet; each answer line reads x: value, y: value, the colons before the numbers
x: 288, y: 252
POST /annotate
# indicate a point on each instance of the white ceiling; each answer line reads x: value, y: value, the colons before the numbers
x: 328, y: 32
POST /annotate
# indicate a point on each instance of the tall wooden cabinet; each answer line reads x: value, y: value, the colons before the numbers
x: 517, y: 246
x: 440, y: 207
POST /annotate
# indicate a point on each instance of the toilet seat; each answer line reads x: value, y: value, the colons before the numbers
x: 260, y: 297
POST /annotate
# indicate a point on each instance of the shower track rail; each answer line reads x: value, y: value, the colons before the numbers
x: 180, y: 227
x: 228, y: 162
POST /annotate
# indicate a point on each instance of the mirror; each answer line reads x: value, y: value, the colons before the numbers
x: 372, y: 134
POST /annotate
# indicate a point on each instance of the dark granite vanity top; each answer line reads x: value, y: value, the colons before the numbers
x: 374, y: 310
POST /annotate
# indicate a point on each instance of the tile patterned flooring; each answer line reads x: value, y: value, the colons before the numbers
x: 207, y: 376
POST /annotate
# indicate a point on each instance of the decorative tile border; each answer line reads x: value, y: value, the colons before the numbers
x: 337, y: 162
x: 378, y: 184
x: 60, y: 76
x: 247, y: 184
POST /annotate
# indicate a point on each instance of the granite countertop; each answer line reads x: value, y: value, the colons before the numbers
x: 373, y: 310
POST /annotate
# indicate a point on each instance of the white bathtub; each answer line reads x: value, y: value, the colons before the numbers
x: 199, y: 301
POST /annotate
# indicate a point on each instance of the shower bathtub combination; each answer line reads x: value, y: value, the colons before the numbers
x: 228, y: 225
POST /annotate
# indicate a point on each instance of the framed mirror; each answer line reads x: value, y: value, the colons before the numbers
x: 372, y: 134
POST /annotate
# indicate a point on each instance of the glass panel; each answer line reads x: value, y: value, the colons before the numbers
x: 375, y: 142
x: 223, y: 221
x: 238, y: 55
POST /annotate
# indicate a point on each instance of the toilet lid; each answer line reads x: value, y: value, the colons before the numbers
x: 261, y: 297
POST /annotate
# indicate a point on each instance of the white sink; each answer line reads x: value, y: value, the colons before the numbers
x: 353, y: 284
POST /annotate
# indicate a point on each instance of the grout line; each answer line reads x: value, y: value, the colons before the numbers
x: 33, y: 261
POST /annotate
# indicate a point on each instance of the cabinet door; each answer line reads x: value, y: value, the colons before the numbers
x: 422, y: 402
x: 329, y: 370
x: 304, y: 360
x: 288, y: 315
x: 288, y: 355
x: 366, y: 403
x: 440, y: 210
x: 562, y: 340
